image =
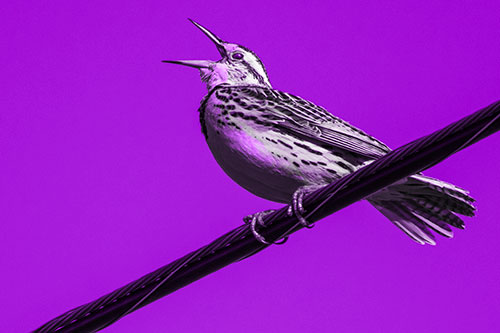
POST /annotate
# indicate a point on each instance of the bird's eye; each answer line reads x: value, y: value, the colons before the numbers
x: 237, y: 55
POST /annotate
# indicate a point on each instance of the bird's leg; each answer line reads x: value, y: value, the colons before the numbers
x: 257, y: 218
x: 296, y: 206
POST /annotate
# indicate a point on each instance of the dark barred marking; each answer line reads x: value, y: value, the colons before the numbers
x: 331, y: 171
x: 322, y: 163
x: 271, y: 140
x: 253, y: 92
x: 283, y: 110
x: 237, y: 114
x: 283, y: 95
x: 313, y: 163
x: 230, y: 107
x: 309, y: 149
x: 296, y: 164
x: 250, y: 117
x: 234, y: 125
x: 277, y: 155
x: 224, y: 112
x: 220, y: 106
x: 344, y: 166
x: 286, y: 145
x: 295, y: 155
x: 269, y: 116
x: 325, y: 145
x: 305, y: 162
x: 221, y: 97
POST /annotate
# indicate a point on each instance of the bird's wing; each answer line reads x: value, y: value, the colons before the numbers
x: 298, y: 117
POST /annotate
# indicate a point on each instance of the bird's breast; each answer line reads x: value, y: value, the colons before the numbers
x: 237, y: 141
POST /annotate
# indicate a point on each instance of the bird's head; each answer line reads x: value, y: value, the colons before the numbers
x: 238, y: 66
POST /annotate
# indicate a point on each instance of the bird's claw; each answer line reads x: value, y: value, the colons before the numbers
x: 297, y: 208
x: 258, y: 218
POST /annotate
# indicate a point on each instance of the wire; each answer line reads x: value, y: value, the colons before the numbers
x: 240, y: 242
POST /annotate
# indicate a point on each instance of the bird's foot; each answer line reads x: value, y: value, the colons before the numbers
x: 258, y: 218
x: 296, y: 207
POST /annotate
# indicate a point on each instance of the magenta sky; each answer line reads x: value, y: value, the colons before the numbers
x: 105, y: 175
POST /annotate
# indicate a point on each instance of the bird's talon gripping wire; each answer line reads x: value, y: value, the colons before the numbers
x: 258, y: 218
x: 297, y: 208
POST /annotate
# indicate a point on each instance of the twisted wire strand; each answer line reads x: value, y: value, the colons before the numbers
x: 151, y: 281
x: 239, y: 243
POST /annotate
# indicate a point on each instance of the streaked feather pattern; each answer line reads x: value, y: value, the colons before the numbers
x: 318, y: 148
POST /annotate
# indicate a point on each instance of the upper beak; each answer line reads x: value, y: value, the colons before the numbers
x: 219, y: 43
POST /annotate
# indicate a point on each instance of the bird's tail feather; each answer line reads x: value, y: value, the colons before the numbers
x: 421, y: 204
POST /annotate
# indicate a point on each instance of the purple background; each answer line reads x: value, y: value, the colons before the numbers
x: 105, y: 175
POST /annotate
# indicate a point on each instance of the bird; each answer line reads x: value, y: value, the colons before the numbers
x: 280, y: 147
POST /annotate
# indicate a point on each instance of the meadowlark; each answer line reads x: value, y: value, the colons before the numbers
x: 279, y: 147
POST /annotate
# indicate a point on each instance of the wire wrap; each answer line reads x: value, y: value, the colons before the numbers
x: 239, y: 243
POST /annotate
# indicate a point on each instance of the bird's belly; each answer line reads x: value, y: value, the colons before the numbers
x: 245, y: 159
x: 271, y: 165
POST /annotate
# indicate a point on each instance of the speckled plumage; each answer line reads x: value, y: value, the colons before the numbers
x: 276, y: 145
x: 271, y: 142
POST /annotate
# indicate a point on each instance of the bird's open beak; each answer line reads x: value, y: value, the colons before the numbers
x: 202, y: 63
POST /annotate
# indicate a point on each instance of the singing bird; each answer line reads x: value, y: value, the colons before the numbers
x: 279, y: 147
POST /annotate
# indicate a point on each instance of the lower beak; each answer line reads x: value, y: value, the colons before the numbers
x: 190, y: 63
